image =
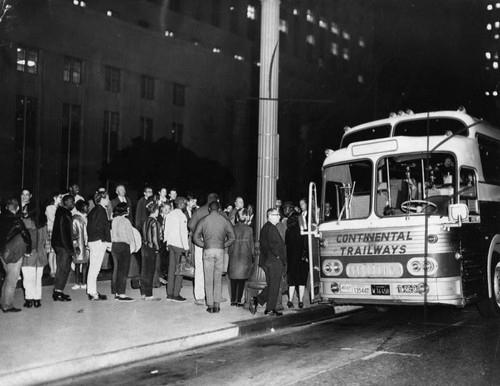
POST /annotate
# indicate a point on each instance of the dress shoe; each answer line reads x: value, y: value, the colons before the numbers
x: 290, y: 304
x: 252, y: 305
x: 239, y: 304
x: 28, y: 303
x: 216, y: 308
x: 37, y: 303
x: 199, y: 302
x: 59, y: 296
x: 272, y: 313
x: 301, y: 305
x: 210, y: 310
x: 233, y: 304
x: 97, y: 297
x: 11, y: 309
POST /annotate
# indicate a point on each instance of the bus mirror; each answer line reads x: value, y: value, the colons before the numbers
x: 458, y: 212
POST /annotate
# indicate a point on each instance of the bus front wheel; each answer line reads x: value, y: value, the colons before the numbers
x: 490, y: 308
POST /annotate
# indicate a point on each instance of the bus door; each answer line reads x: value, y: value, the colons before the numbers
x: 313, y: 238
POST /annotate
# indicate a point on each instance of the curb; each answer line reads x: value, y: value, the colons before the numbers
x: 66, y: 370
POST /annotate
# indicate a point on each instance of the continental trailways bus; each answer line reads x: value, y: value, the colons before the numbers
x: 415, y: 214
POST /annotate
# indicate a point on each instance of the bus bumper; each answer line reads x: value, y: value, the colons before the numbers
x: 415, y: 291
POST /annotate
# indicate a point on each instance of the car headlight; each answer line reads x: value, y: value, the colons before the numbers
x: 417, y: 266
x: 332, y: 267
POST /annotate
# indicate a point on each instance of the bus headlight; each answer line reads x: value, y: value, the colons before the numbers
x: 417, y: 266
x: 332, y: 267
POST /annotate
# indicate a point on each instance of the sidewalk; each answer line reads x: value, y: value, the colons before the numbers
x: 66, y: 339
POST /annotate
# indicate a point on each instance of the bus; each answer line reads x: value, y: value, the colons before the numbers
x: 415, y: 214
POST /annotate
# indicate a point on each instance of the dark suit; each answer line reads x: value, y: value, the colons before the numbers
x: 272, y: 261
x: 115, y: 201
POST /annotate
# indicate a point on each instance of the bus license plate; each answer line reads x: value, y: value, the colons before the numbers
x: 381, y: 289
x: 360, y: 289
x: 408, y: 289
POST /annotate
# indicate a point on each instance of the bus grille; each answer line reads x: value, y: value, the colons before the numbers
x: 374, y: 270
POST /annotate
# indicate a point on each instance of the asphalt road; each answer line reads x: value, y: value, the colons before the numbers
x: 402, y: 346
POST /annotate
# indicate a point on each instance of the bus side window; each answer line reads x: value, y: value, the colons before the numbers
x: 468, y: 186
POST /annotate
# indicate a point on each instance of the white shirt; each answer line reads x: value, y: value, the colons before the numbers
x: 176, y: 232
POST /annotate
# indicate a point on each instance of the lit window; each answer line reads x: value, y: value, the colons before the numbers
x: 27, y: 60
x: 79, y: 3
x: 251, y: 12
x: 497, y: 5
x: 310, y: 16
x: 488, y: 26
x: 295, y: 11
x: 495, y: 65
x: 283, y: 26
x: 345, y: 53
x: 346, y: 35
x: 310, y: 39
x: 109, y: 13
x: 361, y: 42
x: 495, y: 93
x: 72, y: 70
x: 487, y: 93
x: 497, y: 36
x: 497, y: 24
x: 216, y: 50
x: 231, y: 8
x: 169, y: 34
x: 335, y: 29
x: 335, y: 49
x: 257, y: 64
x: 489, y: 7
x: 238, y: 57
x: 488, y: 55
x: 323, y: 23
x: 361, y: 79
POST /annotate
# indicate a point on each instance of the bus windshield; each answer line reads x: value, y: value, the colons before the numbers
x: 434, y: 126
x: 348, y: 189
x: 415, y: 183
x: 374, y: 132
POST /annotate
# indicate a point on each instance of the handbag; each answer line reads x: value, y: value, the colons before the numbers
x: 185, y: 266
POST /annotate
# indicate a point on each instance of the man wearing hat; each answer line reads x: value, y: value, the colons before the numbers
x: 176, y: 237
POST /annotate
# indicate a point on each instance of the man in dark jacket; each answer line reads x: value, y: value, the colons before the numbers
x: 99, y: 234
x: 199, y: 279
x: 273, y: 262
x: 213, y: 233
x: 62, y: 242
x: 15, y: 242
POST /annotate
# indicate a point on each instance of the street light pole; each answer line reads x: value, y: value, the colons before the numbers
x: 268, y: 146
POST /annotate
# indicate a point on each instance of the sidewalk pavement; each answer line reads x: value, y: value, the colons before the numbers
x: 66, y: 339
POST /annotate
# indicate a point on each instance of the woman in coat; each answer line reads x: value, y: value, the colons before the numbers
x: 150, y: 248
x: 81, y: 244
x: 298, y: 266
x: 241, y: 257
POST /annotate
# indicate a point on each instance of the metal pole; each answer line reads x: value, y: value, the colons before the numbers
x: 268, y: 151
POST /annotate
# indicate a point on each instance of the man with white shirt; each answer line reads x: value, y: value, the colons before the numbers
x: 121, y: 197
x: 176, y: 237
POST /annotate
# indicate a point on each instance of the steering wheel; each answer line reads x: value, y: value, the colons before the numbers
x: 418, y: 206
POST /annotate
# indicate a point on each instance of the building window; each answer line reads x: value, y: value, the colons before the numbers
x: 488, y: 55
x: 179, y: 94
x: 489, y: 7
x: 177, y: 130
x: 295, y: 12
x: 27, y: 60
x: 216, y: 50
x: 345, y: 53
x: 112, y: 13
x: 251, y: 12
x: 147, y: 87
x: 72, y: 70
x: 310, y: 16
x: 147, y: 129
x: 310, y: 39
x: 25, y: 138
x: 346, y: 35
x: 110, y: 135
x: 488, y: 27
x: 323, y: 24
x: 362, y: 42
x: 335, y: 49
x: 169, y: 34
x: 361, y: 79
x: 283, y: 26
x: 112, y: 79
x: 80, y: 3
x: 70, y: 144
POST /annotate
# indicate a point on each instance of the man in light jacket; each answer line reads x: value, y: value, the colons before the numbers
x: 213, y: 233
x: 176, y: 236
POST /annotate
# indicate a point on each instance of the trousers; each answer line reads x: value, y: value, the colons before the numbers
x: 213, y: 263
x: 32, y: 282
x: 9, y: 285
x: 274, y: 270
x: 174, y: 282
x: 199, y: 276
x: 63, y: 258
x: 121, y: 260
x: 97, y: 251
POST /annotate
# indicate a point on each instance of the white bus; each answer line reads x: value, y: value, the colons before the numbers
x: 415, y: 214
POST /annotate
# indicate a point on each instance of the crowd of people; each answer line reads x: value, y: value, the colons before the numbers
x: 163, y: 232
